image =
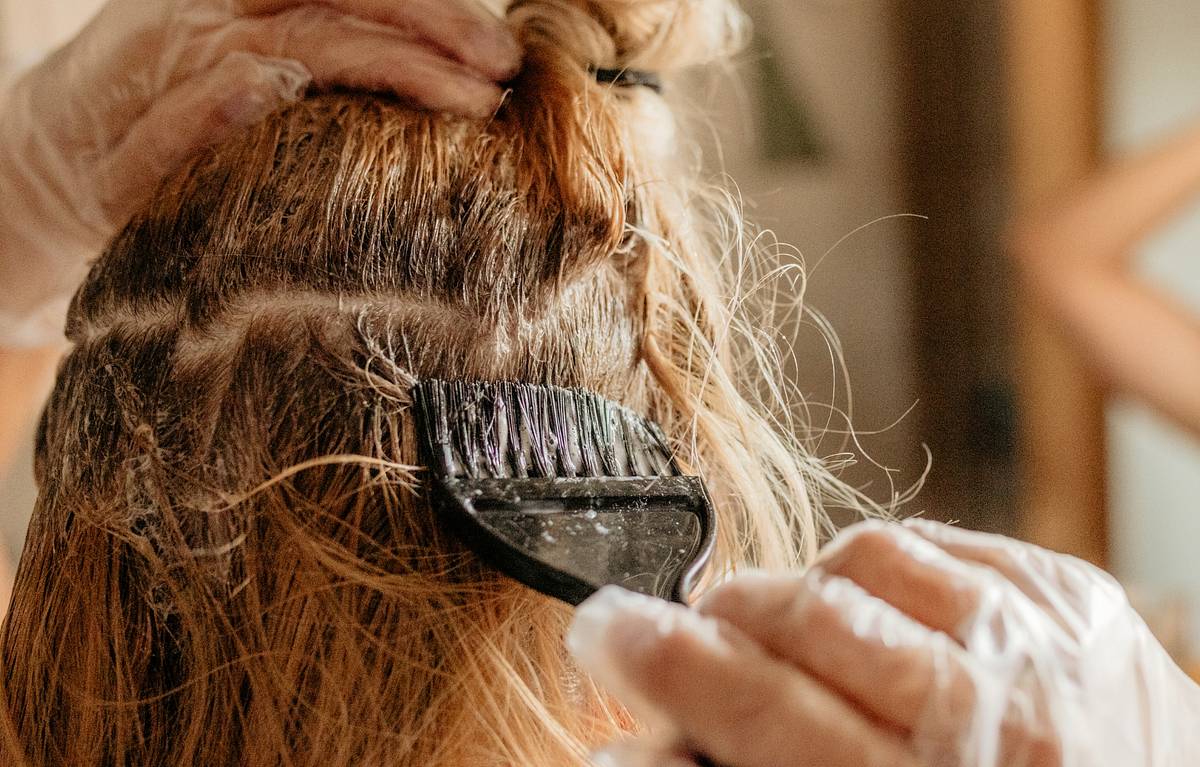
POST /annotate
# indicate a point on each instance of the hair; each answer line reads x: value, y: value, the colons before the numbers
x: 231, y: 561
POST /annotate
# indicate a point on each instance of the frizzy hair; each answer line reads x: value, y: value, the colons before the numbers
x: 231, y: 561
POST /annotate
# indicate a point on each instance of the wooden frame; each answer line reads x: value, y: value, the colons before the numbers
x: 956, y: 175
x: 1054, y: 105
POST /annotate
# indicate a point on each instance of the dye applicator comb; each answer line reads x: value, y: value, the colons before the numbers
x: 563, y: 490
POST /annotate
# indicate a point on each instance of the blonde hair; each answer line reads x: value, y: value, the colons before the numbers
x: 231, y: 561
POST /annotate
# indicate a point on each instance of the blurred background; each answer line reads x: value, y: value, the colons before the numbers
x: 894, y: 143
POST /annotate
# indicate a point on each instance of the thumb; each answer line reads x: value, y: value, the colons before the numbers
x: 238, y: 92
x: 645, y: 752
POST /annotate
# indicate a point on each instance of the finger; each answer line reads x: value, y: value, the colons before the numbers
x: 640, y: 754
x: 914, y: 575
x: 726, y: 697
x: 238, y: 92
x: 463, y: 29
x: 1060, y: 584
x: 1011, y: 559
x: 876, y: 657
x: 342, y: 50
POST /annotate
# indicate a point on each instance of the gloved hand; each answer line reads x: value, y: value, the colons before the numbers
x: 905, y: 645
x: 87, y: 135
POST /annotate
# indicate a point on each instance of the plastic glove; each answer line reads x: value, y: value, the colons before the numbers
x: 87, y: 135
x: 905, y: 645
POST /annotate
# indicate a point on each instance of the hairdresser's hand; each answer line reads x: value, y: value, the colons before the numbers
x: 87, y: 135
x: 906, y: 645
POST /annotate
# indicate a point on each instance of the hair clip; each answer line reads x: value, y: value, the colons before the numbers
x: 629, y: 78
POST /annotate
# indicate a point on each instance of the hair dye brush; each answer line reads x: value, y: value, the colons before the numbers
x: 562, y: 489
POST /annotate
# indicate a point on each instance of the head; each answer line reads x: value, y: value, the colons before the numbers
x: 232, y: 560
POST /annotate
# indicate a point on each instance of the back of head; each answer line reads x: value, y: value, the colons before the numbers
x: 231, y: 561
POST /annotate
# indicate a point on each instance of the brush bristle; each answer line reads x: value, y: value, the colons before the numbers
x: 516, y: 430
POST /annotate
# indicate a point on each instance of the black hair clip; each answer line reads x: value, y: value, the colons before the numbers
x: 629, y: 78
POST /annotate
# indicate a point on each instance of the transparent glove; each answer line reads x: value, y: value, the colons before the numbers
x: 905, y: 645
x: 87, y: 135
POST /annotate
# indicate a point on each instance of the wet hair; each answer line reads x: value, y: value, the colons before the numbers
x: 231, y: 560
